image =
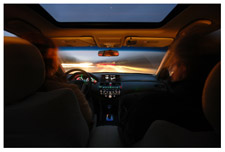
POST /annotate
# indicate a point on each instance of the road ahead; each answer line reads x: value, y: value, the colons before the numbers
x: 89, y: 67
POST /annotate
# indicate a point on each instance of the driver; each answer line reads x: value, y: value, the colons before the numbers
x: 55, y: 79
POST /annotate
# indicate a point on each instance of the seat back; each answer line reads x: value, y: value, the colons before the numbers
x: 165, y: 134
x: 211, y: 98
x: 32, y: 118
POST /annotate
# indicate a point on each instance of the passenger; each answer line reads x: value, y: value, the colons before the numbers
x: 55, y: 79
x: 181, y: 106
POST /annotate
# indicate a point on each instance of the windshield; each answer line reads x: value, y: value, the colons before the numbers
x: 130, y: 60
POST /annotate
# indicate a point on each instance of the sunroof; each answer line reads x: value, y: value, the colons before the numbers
x: 150, y: 13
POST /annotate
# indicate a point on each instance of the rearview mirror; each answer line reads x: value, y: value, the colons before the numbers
x: 108, y: 53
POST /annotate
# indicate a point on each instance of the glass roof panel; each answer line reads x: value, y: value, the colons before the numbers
x: 151, y: 13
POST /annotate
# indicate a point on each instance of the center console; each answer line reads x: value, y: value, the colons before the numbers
x: 110, y: 86
x: 109, y: 90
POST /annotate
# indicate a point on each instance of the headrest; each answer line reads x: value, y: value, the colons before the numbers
x: 24, y: 70
x: 211, y: 99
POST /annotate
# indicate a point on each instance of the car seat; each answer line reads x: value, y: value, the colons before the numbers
x: 33, y: 118
x: 165, y: 134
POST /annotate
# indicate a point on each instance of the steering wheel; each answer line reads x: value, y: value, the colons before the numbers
x: 84, y: 86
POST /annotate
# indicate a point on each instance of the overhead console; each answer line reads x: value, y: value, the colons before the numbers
x: 110, y: 86
x: 147, y: 42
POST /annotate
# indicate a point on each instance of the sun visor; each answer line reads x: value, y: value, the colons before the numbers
x: 21, y: 28
x: 147, y: 42
x: 74, y: 41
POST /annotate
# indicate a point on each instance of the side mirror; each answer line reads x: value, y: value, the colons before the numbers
x: 108, y: 53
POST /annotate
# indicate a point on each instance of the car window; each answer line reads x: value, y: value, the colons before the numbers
x: 9, y: 34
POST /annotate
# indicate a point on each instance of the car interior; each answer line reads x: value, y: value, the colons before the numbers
x: 136, y: 75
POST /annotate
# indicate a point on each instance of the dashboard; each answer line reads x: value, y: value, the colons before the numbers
x: 113, y: 85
